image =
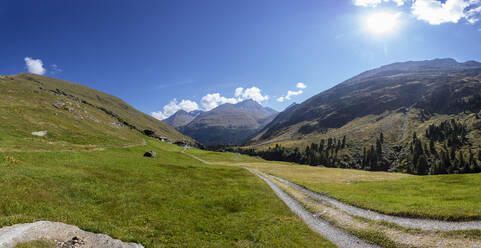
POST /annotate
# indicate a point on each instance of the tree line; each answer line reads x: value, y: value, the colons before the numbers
x: 449, y: 158
x: 440, y: 152
x: 325, y: 153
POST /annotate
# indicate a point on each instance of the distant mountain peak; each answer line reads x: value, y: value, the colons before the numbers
x: 229, y: 123
x: 248, y: 103
x: 181, y: 112
x: 182, y: 118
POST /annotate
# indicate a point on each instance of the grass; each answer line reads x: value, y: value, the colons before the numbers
x: 375, y: 237
x: 76, y: 117
x: 168, y: 201
x: 449, y: 197
x: 37, y: 244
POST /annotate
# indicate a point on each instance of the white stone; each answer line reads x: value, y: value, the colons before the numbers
x: 39, y: 133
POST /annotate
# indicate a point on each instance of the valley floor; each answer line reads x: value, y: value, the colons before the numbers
x: 195, y: 198
x: 172, y: 200
x: 376, y: 228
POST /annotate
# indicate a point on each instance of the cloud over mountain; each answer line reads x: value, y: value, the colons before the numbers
x: 35, y: 66
x: 211, y: 101
x: 291, y: 93
x: 174, y: 106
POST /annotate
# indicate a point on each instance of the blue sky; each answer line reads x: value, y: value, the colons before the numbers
x: 151, y: 52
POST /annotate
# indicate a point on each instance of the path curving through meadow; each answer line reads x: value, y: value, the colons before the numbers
x: 423, y: 224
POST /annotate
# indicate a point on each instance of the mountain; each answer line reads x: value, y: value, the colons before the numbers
x: 181, y: 118
x: 434, y: 85
x: 38, y: 112
x: 229, y: 124
x: 398, y: 100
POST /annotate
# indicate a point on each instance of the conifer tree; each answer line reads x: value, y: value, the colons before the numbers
x: 422, y: 166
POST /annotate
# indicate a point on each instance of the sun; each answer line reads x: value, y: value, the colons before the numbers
x: 382, y: 22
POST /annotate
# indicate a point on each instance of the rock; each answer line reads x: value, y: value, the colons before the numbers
x: 149, y: 133
x: 74, y: 242
x: 180, y: 143
x: 150, y: 154
x: 39, y: 133
x: 65, y: 236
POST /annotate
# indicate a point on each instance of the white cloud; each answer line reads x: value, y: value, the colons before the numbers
x: 174, y: 106
x: 374, y: 3
x: 211, y: 101
x: 291, y: 93
x: 253, y: 93
x: 473, y: 14
x: 435, y: 12
x: 301, y: 85
x: 35, y: 66
x: 238, y: 92
x: 399, y: 2
x: 55, y: 69
x: 367, y: 3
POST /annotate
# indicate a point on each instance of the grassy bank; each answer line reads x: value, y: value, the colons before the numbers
x: 168, y: 201
x: 453, y: 197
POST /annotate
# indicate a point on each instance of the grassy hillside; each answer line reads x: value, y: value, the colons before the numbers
x: 441, y: 86
x: 74, y: 116
x: 168, y: 201
x: 397, y: 100
x: 440, y: 197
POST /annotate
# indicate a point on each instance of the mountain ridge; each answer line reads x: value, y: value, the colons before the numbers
x: 228, y: 123
x: 421, y: 118
x: 71, y: 115
x: 349, y: 101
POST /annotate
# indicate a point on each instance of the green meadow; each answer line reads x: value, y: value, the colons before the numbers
x: 171, y: 200
x: 447, y: 197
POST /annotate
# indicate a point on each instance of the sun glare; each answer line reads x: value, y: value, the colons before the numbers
x: 382, y: 22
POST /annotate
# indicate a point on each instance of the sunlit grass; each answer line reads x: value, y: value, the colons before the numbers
x: 172, y: 200
x: 453, y: 197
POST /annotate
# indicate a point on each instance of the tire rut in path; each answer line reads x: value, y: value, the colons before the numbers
x: 423, y: 224
x: 335, y: 235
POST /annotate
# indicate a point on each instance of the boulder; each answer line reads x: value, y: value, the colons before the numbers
x: 150, y: 154
x: 149, y: 133
x: 39, y: 133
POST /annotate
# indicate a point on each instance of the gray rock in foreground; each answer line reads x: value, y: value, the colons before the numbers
x: 150, y: 154
x: 57, y: 232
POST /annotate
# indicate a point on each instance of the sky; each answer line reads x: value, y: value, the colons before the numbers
x: 163, y: 56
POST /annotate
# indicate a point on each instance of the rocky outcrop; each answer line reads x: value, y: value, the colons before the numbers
x: 59, y: 234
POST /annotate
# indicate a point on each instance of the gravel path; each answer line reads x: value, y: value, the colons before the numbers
x: 331, y: 233
x: 337, y: 236
x: 423, y: 224
x: 61, y: 234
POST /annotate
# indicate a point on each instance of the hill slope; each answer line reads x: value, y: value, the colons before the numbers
x: 73, y: 116
x: 398, y: 100
x: 229, y: 124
